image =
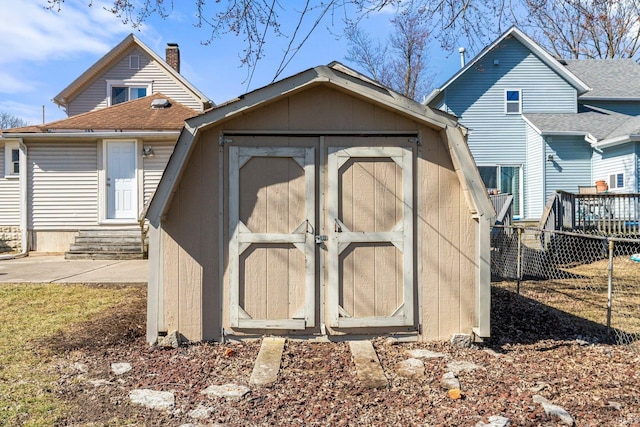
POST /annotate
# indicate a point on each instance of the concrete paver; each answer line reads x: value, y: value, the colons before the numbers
x: 267, y: 365
x: 55, y: 269
x: 368, y: 368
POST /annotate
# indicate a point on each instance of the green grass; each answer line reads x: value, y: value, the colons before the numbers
x: 29, y: 312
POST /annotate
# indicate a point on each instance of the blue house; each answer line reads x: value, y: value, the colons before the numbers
x: 538, y: 124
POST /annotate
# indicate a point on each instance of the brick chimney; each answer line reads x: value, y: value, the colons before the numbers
x: 173, y: 56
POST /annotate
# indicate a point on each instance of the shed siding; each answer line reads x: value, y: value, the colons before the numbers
x: 94, y: 96
x: 445, y: 229
x: 571, y: 165
x: 534, y: 175
x: 9, y: 196
x: 477, y: 97
x: 153, y: 167
x: 614, y: 160
x: 63, y: 185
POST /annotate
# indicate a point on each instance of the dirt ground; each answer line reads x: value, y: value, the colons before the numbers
x: 536, y: 350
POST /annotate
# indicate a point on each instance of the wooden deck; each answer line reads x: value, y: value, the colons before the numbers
x: 603, y: 213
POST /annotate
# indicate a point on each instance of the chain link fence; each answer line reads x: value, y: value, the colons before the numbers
x: 588, y: 276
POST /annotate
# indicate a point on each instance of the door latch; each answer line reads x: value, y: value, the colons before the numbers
x: 319, y: 238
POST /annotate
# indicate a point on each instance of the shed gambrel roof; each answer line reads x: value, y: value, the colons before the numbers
x: 536, y: 49
x: 609, y: 79
x: 110, y: 58
x: 344, y: 79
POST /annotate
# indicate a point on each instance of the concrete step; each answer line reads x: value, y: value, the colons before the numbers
x: 108, y: 239
x: 99, y: 247
x: 129, y: 232
x: 103, y: 255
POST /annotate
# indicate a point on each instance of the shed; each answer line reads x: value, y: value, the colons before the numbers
x: 322, y: 205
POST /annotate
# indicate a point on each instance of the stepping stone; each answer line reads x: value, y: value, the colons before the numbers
x: 267, y: 366
x: 420, y: 353
x: 228, y: 391
x: 410, y: 368
x: 368, y: 368
x: 160, y: 400
x: 463, y: 366
x: 554, y: 410
x: 495, y: 421
x: 120, y: 368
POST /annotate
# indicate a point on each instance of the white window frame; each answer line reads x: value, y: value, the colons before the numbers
x: 127, y: 83
x: 9, y: 147
x: 613, y: 183
x: 134, y: 62
x: 520, y: 167
x: 507, y: 102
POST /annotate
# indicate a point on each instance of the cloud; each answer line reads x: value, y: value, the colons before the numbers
x: 32, y: 114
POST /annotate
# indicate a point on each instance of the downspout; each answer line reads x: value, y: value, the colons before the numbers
x: 22, y: 177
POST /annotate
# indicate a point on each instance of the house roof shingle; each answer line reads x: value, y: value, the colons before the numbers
x: 127, y: 116
x: 608, y: 78
x: 597, y: 122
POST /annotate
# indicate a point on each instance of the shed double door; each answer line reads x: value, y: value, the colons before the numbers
x: 353, y: 218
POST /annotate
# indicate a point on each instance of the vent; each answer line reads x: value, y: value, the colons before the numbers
x: 134, y: 62
x: 160, y: 103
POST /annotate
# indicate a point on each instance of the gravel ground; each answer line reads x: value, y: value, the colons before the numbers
x: 534, y: 350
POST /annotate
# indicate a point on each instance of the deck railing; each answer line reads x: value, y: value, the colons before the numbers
x: 503, y: 205
x: 603, y: 213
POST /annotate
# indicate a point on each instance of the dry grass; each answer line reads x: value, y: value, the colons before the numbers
x: 31, y: 313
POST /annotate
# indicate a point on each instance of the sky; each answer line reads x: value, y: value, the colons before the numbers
x: 43, y: 51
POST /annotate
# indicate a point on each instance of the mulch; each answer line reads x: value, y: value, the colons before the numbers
x: 534, y: 350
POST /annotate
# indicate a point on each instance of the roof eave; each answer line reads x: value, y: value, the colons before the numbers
x: 612, y: 142
x: 90, y: 134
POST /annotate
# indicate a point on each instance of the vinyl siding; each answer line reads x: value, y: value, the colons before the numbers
x: 571, y: 165
x: 63, y: 185
x: 94, y: 96
x: 154, y: 166
x: 630, y: 108
x: 9, y: 196
x: 477, y: 97
x: 534, y: 175
x: 621, y: 158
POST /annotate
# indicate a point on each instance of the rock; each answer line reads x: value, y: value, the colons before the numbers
x: 120, y: 368
x: 462, y: 366
x: 161, y: 400
x: 582, y: 342
x: 200, y: 412
x: 98, y: 383
x: 615, y: 405
x: 454, y: 394
x: 80, y: 367
x: 228, y: 391
x: 538, y: 387
x: 171, y: 340
x: 495, y: 421
x: 554, y: 410
x: 410, y: 368
x: 391, y: 341
x: 449, y: 381
x: 424, y: 354
x: 461, y: 340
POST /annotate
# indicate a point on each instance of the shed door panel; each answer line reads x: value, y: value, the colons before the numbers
x: 272, y: 253
x: 371, y: 237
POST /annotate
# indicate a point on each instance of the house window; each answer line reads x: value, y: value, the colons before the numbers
x: 134, y: 62
x: 512, y: 101
x: 616, y: 180
x: 11, y: 159
x: 504, y: 179
x: 122, y: 91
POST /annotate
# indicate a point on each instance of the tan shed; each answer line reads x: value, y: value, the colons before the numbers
x: 322, y: 205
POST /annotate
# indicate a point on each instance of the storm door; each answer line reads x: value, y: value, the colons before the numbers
x: 370, y: 237
x: 272, y: 249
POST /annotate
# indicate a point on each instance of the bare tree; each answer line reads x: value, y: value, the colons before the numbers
x: 8, y: 121
x: 587, y: 28
x: 400, y: 63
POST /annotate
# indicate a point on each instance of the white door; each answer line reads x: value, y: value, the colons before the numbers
x: 370, y: 237
x: 272, y: 247
x: 122, y: 186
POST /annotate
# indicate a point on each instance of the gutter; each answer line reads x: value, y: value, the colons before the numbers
x: 111, y: 134
x: 24, y: 244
